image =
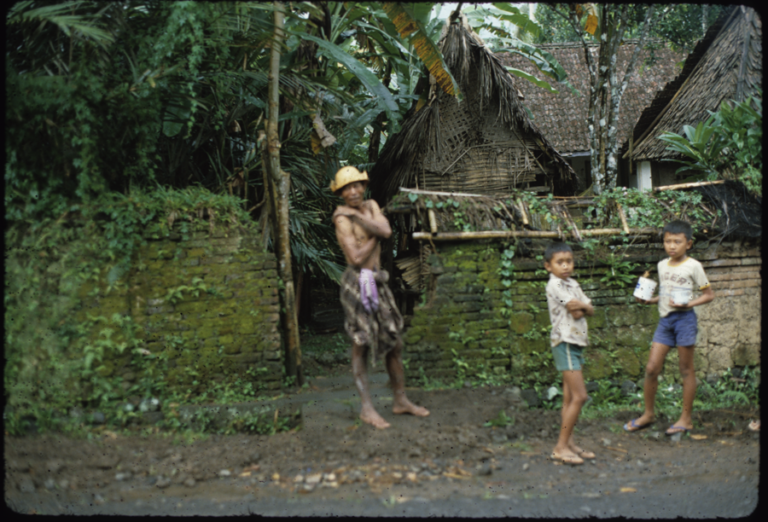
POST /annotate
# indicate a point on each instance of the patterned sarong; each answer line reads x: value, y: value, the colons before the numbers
x: 380, y: 329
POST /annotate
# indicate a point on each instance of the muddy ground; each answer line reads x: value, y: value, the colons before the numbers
x: 334, y: 465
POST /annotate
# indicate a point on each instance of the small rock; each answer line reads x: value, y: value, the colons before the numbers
x: 397, y: 475
x: 98, y: 499
x: 467, y: 384
x: 123, y: 476
x: 531, y: 398
x: 162, y: 482
x: 76, y: 412
x: 552, y: 392
x: 676, y: 437
x: 151, y: 481
x: 331, y: 477
x: 485, y: 470
x: 586, y: 508
x: 498, y: 437
x: 544, y: 434
x: 526, y: 466
x: 307, y: 488
x: 26, y: 485
x: 414, y: 452
x: 628, y: 387
x: 656, y: 435
x: 50, y: 484
x: 313, y: 479
x: 743, y: 478
x: 298, y: 479
x: 603, y: 475
x: 148, y: 405
x: 606, y: 442
x: 330, y: 484
x: 54, y: 466
x: 190, y: 482
x: 225, y: 473
x: 98, y: 418
x: 63, y: 483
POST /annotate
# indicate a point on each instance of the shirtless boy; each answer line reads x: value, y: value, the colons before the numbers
x: 372, y: 319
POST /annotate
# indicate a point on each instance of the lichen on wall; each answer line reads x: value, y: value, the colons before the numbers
x: 206, y: 306
x: 464, y: 328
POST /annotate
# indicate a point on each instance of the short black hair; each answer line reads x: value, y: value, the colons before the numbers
x: 678, y: 227
x: 554, y: 248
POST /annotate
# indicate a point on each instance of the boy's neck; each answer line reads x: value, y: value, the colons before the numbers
x: 678, y: 260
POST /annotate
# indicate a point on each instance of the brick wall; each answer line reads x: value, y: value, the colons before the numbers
x: 223, y: 323
x: 462, y: 317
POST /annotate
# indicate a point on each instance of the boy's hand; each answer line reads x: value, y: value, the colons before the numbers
x: 577, y: 314
x: 573, y: 306
x: 675, y: 305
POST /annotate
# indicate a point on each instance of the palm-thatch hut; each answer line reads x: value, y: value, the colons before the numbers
x: 484, y: 144
x: 562, y: 116
x: 725, y: 65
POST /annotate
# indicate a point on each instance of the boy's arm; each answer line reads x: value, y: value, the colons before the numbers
x: 580, y: 308
x: 707, y: 295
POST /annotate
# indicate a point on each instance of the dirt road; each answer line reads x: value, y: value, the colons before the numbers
x: 447, y: 464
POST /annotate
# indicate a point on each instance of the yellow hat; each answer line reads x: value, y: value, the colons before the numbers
x: 347, y: 175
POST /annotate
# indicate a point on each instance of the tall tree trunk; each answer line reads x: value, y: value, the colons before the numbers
x: 280, y: 182
x: 617, y: 94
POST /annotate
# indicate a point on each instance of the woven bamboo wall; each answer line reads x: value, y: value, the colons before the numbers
x: 476, y: 154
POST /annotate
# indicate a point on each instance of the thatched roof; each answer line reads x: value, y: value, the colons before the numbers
x: 726, y: 64
x: 563, y: 116
x: 485, y: 144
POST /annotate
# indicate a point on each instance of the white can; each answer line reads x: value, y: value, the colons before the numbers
x: 645, y: 288
x: 681, y: 296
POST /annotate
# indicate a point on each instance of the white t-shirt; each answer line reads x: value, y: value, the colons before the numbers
x: 688, y: 275
x: 564, y: 327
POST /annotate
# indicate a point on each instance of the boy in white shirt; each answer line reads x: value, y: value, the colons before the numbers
x: 679, y: 276
x: 567, y: 307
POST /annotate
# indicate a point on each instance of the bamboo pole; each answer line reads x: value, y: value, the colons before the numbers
x: 623, y: 218
x: 688, y: 185
x: 435, y: 193
x: 569, y: 219
x: 432, y: 221
x: 522, y: 211
x: 498, y: 234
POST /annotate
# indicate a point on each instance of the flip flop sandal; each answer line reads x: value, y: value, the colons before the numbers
x: 676, y: 429
x: 574, y: 461
x: 631, y: 426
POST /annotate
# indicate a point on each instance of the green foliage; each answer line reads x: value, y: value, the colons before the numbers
x: 727, y: 145
x: 500, y: 421
x: 620, y: 271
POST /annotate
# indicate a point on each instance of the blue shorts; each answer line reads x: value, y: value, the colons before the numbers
x: 677, y: 329
x: 568, y: 356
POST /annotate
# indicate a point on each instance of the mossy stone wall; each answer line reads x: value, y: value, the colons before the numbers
x: 463, y: 318
x: 206, y: 303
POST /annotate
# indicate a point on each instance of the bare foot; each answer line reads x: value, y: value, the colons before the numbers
x: 566, y: 456
x: 584, y: 454
x: 406, y: 406
x: 374, y: 419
